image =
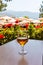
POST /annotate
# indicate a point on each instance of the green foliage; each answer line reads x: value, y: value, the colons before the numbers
x: 12, y: 32
x: 2, y: 6
x: 31, y: 31
x: 41, y: 10
x: 26, y: 17
x: 41, y: 15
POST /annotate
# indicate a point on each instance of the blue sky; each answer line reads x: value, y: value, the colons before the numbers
x: 24, y: 5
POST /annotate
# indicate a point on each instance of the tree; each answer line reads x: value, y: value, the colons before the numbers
x: 41, y: 11
x: 3, y: 5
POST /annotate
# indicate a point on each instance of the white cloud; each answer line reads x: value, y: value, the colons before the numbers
x: 25, y: 5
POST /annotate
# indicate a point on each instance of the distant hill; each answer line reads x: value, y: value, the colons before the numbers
x: 33, y: 15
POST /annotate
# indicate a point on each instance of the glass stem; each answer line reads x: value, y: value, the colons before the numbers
x: 22, y: 49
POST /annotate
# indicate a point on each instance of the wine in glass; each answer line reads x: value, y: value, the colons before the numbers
x: 22, y: 39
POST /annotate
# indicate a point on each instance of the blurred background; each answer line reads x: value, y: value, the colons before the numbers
x: 18, y: 8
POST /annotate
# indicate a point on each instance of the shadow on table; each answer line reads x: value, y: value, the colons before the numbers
x: 23, y: 61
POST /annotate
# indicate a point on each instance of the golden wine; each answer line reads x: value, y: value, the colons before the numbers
x: 22, y: 40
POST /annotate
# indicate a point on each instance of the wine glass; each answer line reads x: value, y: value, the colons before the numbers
x: 22, y: 39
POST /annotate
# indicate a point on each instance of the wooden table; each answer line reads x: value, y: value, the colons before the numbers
x: 9, y: 53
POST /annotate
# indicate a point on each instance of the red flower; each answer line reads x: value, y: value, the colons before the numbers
x: 38, y: 26
x: 17, y: 21
x: 26, y: 25
x: 8, y: 25
x: 1, y: 36
x: 41, y: 24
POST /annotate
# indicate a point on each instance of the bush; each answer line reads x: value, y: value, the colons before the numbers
x: 10, y: 33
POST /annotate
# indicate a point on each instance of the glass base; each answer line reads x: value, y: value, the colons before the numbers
x: 23, y: 53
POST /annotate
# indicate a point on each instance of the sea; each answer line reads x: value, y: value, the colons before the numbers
x: 11, y: 13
